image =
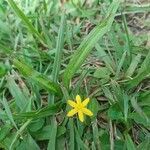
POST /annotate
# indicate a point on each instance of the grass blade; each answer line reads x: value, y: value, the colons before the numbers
x: 105, y: 57
x: 71, y: 135
x: 129, y: 143
x: 81, y: 144
x: 59, y: 48
x: 19, y: 132
x: 44, y: 112
x: 24, y: 18
x: 53, y: 136
x: 133, y: 65
x: 37, y: 77
x: 55, y: 74
x: 89, y: 42
x: 144, y: 71
x: 8, y: 112
x: 120, y: 64
x: 20, y: 99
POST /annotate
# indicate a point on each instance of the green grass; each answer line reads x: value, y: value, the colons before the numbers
x: 51, y: 51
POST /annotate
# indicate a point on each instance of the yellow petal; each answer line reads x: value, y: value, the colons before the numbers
x: 81, y: 117
x: 85, y: 102
x: 72, y: 112
x: 87, y: 112
x: 78, y: 99
x: 72, y: 103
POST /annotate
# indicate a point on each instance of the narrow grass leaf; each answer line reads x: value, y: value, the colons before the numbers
x: 96, y: 135
x: 8, y: 112
x: 55, y: 75
x: 89, y: 42
x: 43, y: 134
x: 5, y: 130
x: 108, y: 95
x: 79, y: 141
x: 31, y: 143
x: 53, y: 136
x: 24, y: 18
x: 19, y: 132
x: 129, y: 143
x: 59, y: 49
x: 145, y: 145
x: 133, y: 65
x: 71, y: 135
x: 128, y: 46
x: 43, y: 112
x: 132, y: 8
x: 4, y: 49
x: 120, y: 64
x: 138, y: 109
x: 37, y: 77
x: 143, y: 72
x: 126, y: 106
x: 16, y: 92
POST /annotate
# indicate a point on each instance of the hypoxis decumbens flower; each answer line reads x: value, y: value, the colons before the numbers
x: 79, y: 108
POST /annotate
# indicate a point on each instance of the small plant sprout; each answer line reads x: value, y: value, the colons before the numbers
x: 79, y: 107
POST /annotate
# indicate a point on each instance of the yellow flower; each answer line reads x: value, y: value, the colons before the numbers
x: 79, y: 107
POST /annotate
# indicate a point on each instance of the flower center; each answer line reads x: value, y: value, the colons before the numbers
x: 79, y: 106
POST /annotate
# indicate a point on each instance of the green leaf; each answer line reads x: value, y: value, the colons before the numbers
x: 94, y: 107
x: 36, y: 125
x: 5, y: 130
x: 143, y: 72
x: 96, y: 135
x: 89, y: 42
x: 105, y: 57
x: 145, y: 145
x: 133, y: 65
x: 24, y: 18
x: 79, y: 141
x: 7, y: 141
x: 104, y: 139
x: 144, y: 98
x: 27, y: 142
x: 43, y: 112
x: 44, y: 133
x: 3, y: 70
x: 139, y: 110
x: 120, y: 64
x: 115, y: 113
x: 140, y: 120
x: 71, y: 134
x: 102, y: 73
x: 8, y: 112
x: 20, y: 99
x: 129, y: 143
x: 59, y: 49
x: 37, y: 77
x: 52, y: 139
x: 18, y: 133
x: 61, y: 142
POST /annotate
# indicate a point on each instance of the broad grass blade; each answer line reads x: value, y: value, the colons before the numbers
x: 37, y: 77
x: 20, y: 99
x: 89, y: 42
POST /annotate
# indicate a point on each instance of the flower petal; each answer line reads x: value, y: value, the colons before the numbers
x: 85, y: 102
x: 71, y: 103
x: 81, y: 117
x: 72, y: 112
x: 78, y: 99
x: 87, y: 112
